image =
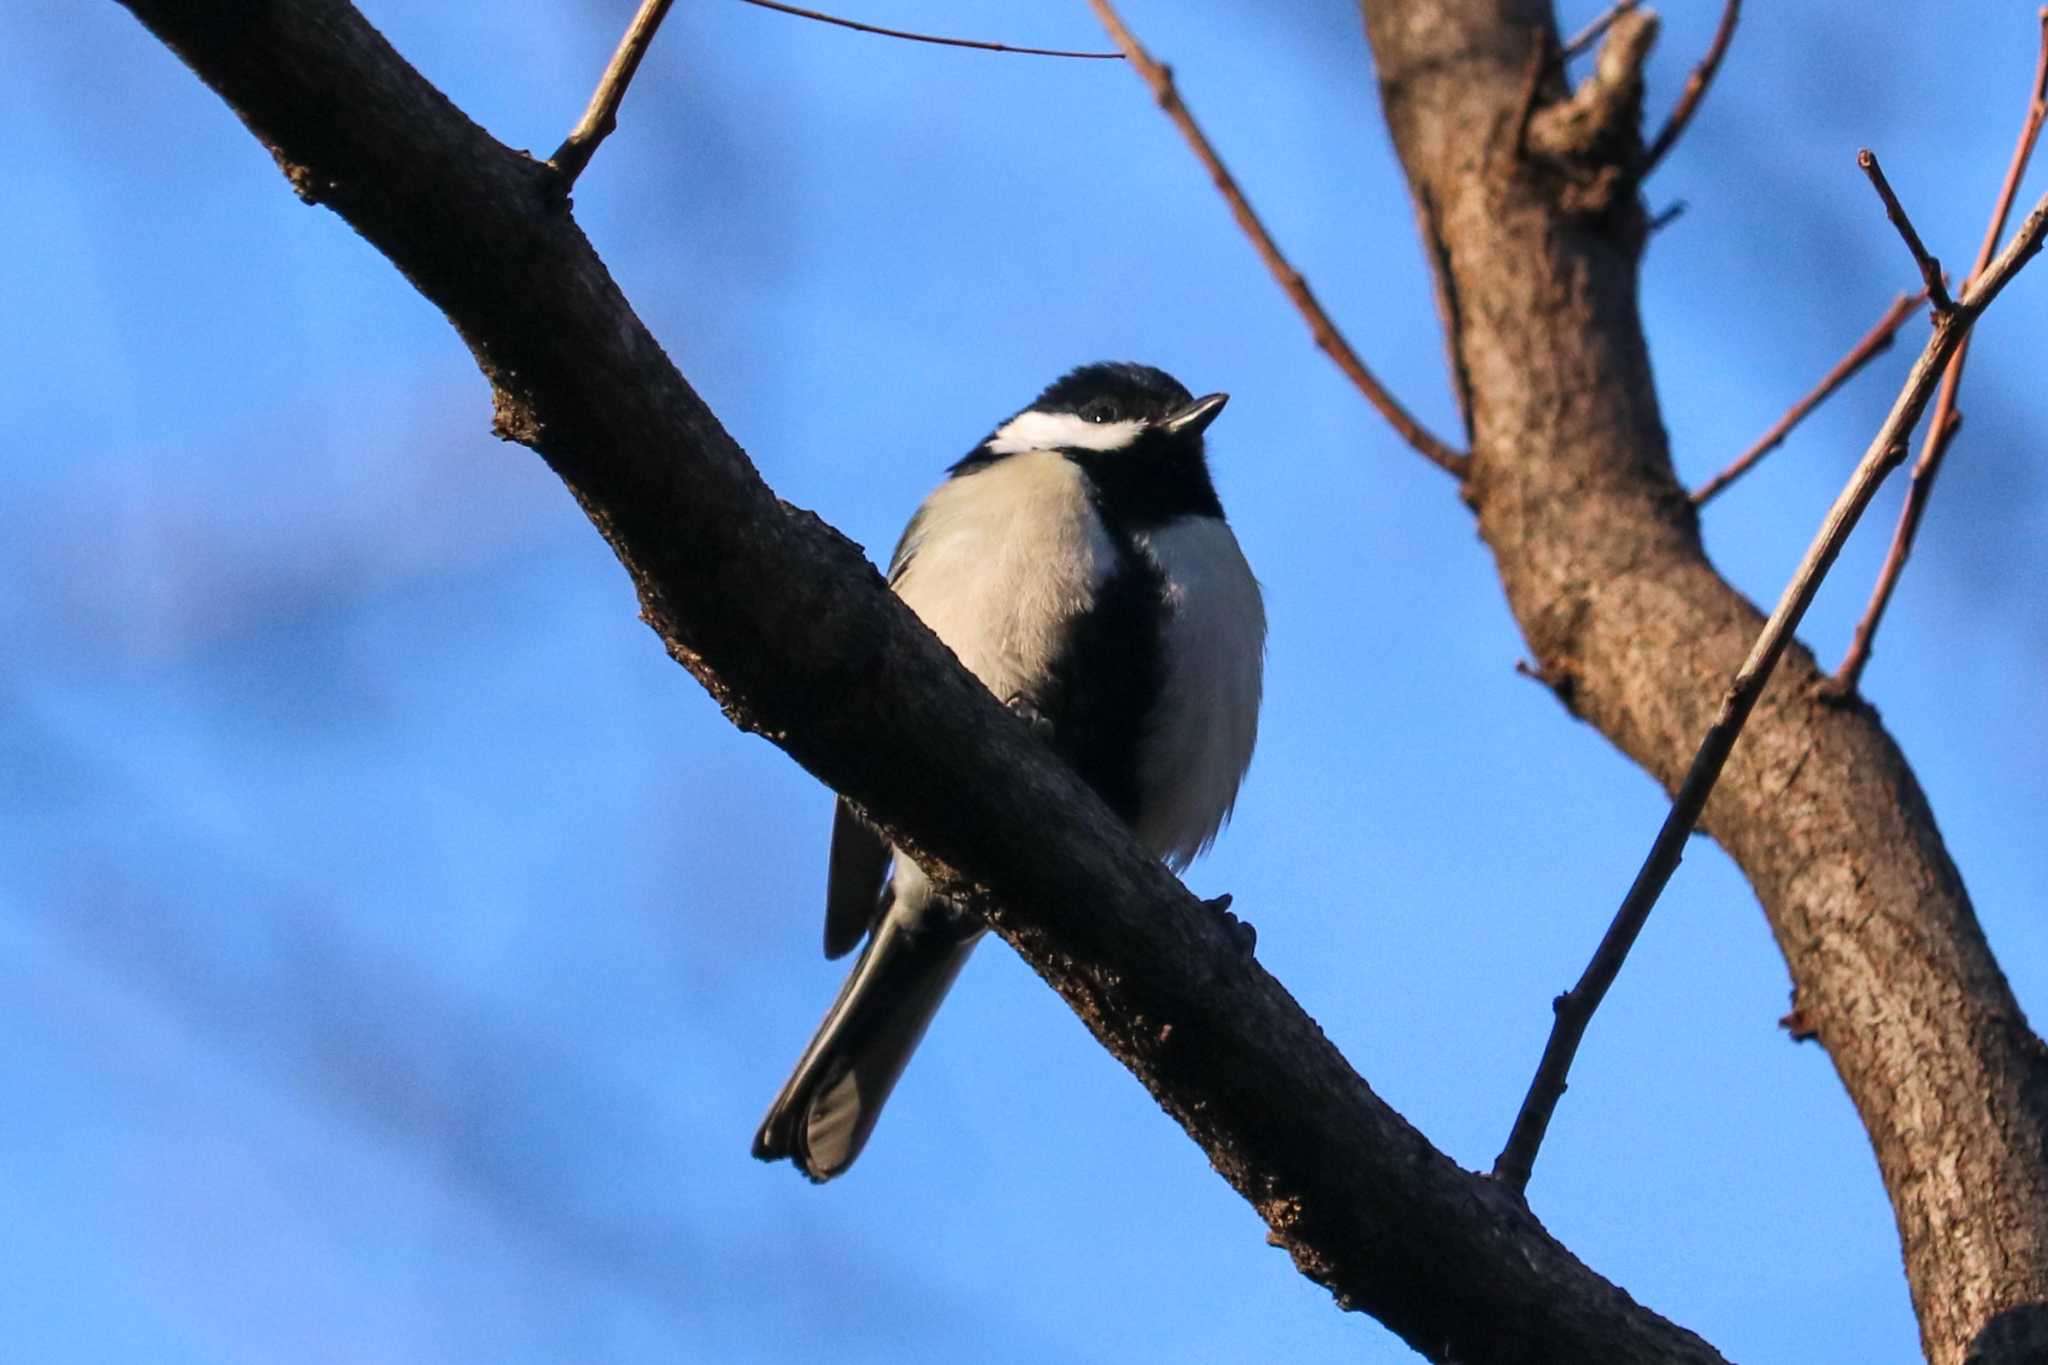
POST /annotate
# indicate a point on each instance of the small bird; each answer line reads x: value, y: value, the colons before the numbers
x: 1078, y: 563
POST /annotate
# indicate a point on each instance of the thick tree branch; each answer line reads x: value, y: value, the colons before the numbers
x: 1599, y: 550
x: 1575, y: 1008
x: 797, y: 637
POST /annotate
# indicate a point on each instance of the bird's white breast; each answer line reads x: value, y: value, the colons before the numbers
x: 1198, y: 740
x: 1001, y: 559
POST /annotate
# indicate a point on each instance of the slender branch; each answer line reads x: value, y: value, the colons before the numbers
x: 1930, y: 268
x: 1941, y: 431
x: 1160, y: 78
x: 602, y: 116
x: 1590, y: 34
x: 2022, y: 151
x: 1665, y: 217
x: 979, y: 45
x: 1875, y: 342
x: 1695, y: 89
x: 1574, y: 1009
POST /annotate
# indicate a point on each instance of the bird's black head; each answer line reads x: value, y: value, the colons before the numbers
x: 1112, y: 392
x: 1135, y: 429
x: 1108, y: 412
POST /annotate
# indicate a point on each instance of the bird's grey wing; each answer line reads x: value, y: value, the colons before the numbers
x: 853, y: 886
x: 860, y: 857
x: 906, y: 546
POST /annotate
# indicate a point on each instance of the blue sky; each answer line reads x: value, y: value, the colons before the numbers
x: 399, y: 950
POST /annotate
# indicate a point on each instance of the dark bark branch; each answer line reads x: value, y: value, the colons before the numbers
x: 1599, y: 550
x: 794, y: 633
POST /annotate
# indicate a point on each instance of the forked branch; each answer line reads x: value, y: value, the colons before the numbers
x: 1574, y: 1009
x: 1875, y: 343
x: 1947, y: 420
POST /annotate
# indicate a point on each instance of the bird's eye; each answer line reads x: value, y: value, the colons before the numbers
x: 1099, y: 410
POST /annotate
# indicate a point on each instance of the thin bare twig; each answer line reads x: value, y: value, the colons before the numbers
x: 1695, y: 89
x: 1574, y: 1009
x: 1665, y: 217
x: 1325, y: 332
x: 1930, y: 268
x: 602, y: 116
x: 1875, y: 342
x: 1941, y: 431
x: 979, y: 45
x: 1590, y: 34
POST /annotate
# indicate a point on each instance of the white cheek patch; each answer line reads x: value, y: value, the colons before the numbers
x: 1060, y: 431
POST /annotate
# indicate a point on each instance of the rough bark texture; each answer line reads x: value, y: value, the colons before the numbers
x: 1599, y: 550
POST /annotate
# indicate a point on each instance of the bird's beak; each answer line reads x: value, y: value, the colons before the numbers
x: 1193, y: 419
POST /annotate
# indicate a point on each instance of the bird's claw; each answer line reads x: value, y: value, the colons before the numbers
x: 1241, y: 931
x: 1027, y: 711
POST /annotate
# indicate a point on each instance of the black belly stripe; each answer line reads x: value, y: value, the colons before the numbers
x: 1106, y: 675
x: 1108, y: 670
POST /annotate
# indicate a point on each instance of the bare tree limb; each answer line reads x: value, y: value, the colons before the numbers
x: 1942, y: 430
x: 908, y: 36
x: 1875, y: 343
x: 1575, y: 1008
x: 1627, y: 621
x: 798, y: 638
x: 602, y: 115
x: 1694, y: 91
x: 1160, y: 78
x: 1929, y: 267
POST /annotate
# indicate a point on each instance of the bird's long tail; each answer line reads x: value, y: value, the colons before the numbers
x: 829, y: 1105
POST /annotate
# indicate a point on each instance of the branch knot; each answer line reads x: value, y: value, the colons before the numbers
x: 1594, y: 138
